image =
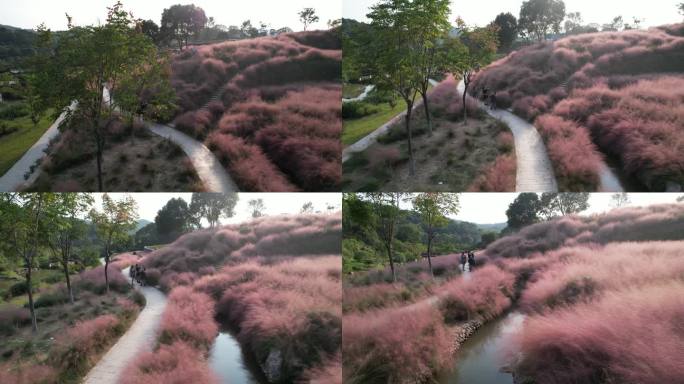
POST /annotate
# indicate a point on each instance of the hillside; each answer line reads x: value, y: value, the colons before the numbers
x: 268, y: 107
x: 273, y: 281
x: 614, y: 95
x: 15, y: 45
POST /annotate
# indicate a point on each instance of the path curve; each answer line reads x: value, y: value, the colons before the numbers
x: 372, y: 137
x: 360, y: 97
x: 209, y: 169
x: 141, y: 336
x: 13, y: 179
x: 534, y: 169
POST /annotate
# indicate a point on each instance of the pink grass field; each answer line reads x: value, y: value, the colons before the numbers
x: 276, y: 125
x: 611, y: 93
x: 274, y: 280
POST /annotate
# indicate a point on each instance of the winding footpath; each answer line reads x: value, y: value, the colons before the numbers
x: 141, y: 336
x: 209, y: 169
x: 534, y: 169
x: 13, y: 179
x: 366, y: 91
x: 372, y: 137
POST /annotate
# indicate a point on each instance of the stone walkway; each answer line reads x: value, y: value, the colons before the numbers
x: 534, y: 169
x: 360, y: 97
x: 13, y: 179
x: 209, y: 169
x: 141, y: 336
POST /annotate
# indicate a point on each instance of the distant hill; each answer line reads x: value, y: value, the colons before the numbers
x: 141, y: 223
x: 15, y: 45
x: 496, y: 227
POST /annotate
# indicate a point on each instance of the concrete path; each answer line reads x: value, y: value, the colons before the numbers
x: 209, y: 169
x: 13, y: 179
x: 609, y: 180
x: 372, y: 137
x: 360, y: 97
x: 214, y: 177
x: 141, y: 336
x: 534, y: 169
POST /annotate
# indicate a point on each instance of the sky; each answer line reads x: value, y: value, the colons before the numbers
x: 278, y: 13
x: 275, y: 203
x: 654, y: 12
x: 490, y: 208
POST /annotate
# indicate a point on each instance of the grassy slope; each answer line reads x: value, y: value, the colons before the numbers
x: 14, y: 145
x: 352, y: 90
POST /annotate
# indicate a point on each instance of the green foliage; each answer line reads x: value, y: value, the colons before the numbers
x: 173, y: 219
x: 540, y: 17
x: 507, y: 30
x: 358, y: 109
x: 307, y: 16
x: 523, y: 211
x: 212, y: 207
x: 180, y: 22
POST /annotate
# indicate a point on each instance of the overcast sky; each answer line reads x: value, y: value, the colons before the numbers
x: 278, y: 13
x: 490, y: 208
x: 655, y: 12
x: 275, y: 203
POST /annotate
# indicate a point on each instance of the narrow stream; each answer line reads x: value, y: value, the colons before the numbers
x: 482, y: 356
x: 228, y: 362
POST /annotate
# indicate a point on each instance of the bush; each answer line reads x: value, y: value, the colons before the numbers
x: 189, y: 317
x: 48, y: 299
x: 76, y: 349
x: 18, y: 289
x: 14, y: 111
x: 13, y: 317
x: 357, y: 109
x: 94, y: 280
x: 175, y: 363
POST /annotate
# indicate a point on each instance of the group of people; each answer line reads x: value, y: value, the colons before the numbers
x: 137, y: 273
x: 488, y: 98
x: 469, y: 257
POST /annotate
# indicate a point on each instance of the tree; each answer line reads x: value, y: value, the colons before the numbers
x: 430, y: 23
x: 541, y: 17
x: 113, y: 225
x: 573, y: 23
x: 480, y: 45
x: 391, y: 58
x: 308, y: 16
x: 618, y: 200
x: 67, y: 227
x: 433, y: 208
x: 307, y: 207
x: 334, y: 23
x: 147, y: 235
x: 88, y: 59
x: 486, y: 239
x: 386, y: 211
x: 615, y: 25
x: 22, y: 223
x: 173, y: 219
x: 681, y: 8
x: 180, y: 22
x: 562, y: 204
x: 248, y: 30
x: 680, y: 199
x: 212, y: 207
x: 507, y: 30
x: 150, y: 29
x: 523, y: 211
x: 257, y: 207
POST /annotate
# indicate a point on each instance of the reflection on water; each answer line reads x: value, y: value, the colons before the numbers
x: 482, y: 355
x: 227, y: 362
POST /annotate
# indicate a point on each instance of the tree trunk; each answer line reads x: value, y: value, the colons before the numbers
x: 465, y: 93
x: 106, y: 271
x: 34, y: 322
x: 412, y: 164
x: 429, y: 252
x: 427, y: 112
x: 391, y: 260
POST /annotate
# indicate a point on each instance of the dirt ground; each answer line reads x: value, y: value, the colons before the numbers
x: 449, y: 160
x: 137, y: 164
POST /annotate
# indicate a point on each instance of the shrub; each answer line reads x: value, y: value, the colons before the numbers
x: 13, y: 317
x: 33, y: 374
x: 497, y: 177
x: 83, y: 342
x: 94, y: 280
x: 176, y: 363
x: 189, y: 317
x: 18, y: 289
x: 357, y: 109
x: 395, y: 345
x: 48, y: 299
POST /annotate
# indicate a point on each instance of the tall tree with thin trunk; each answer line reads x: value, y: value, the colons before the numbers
x: 618, y: 200
x: 386, y: 210
x: 481, y: 46
x: 22, y: 223
x: 113, y: 225
x: 433, y: 208
x: 257, y: 207
x: 66, y: 226
x: 308, y: 16
x: 392, y: 58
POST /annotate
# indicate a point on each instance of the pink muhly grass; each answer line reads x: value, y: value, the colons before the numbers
x: 175, y: 363
x: 395, y: 345
x: 189, y: 317
x: 29, y: 374
x: 500, y: 176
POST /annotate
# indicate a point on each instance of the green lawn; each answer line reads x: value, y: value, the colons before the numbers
x: 349, y: 91
x: 14, y: 145
x: 355, y: 129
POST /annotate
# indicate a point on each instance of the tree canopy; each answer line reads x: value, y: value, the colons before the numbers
x: 180, y: 22
x: 541, y: 17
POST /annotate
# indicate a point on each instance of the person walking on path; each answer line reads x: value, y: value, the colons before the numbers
x: 492, y: 101
x: 463, y: 261
x: 471, y: 260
